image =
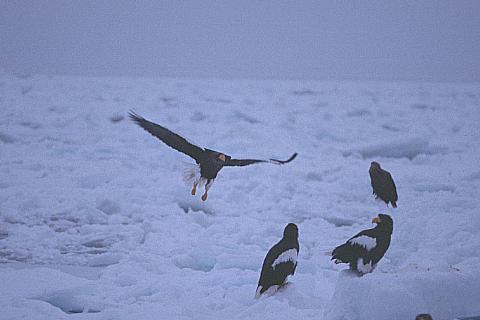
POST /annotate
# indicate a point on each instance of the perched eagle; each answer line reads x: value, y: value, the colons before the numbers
x: 280, y: 262
x: 382, y: 184
x: 209, y: 162
x: 364, y: 250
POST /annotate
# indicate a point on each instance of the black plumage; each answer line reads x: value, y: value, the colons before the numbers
x: 209, y: 162
x: 280, y: 262
x: 423, y: 316
x: 364, y: 250
x: 382, y: 184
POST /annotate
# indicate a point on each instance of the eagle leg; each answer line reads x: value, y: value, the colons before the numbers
x: 194, y: 190
x: 207, y: 187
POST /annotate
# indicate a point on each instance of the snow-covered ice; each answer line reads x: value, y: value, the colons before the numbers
x: 95, y: 222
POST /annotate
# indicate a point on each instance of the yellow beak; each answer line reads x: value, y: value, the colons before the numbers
x: 376, y: 220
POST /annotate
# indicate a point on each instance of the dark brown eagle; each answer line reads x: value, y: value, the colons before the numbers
x: 209, y: 162
x: 382, y: 184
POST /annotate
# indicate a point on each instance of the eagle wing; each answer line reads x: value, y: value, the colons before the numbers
x: 276, y: 275
x: 392, y: 189
x: 168, y: 137
x: 246, y: 162
x: 383, y: 185
x: 351, y: 250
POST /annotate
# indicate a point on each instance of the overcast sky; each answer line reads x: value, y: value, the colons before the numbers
x: 325, y: 40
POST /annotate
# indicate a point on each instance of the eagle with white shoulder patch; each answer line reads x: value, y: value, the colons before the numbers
x: 280, y: 262
x: 364, y: 250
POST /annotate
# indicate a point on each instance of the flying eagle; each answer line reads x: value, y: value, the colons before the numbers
x: 364, y: 250
x: 209, y: 162
x: 280, y: 262
x: 382, y: 184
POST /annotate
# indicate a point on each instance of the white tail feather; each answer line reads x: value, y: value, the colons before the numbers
x: 269, y: 292
x: 191, y: 175
x: 257, y: 293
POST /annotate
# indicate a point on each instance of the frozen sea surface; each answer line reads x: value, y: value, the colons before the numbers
x: 95, y: 222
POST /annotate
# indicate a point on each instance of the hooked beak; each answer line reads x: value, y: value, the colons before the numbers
x: 221, y: 157
x: 376, y: 220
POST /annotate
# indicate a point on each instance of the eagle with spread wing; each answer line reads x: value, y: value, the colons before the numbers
x: 209, y: 162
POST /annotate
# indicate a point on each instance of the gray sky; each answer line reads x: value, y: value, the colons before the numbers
x: 356, y: 40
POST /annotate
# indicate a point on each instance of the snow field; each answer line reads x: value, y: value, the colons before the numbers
x: 95, y: 222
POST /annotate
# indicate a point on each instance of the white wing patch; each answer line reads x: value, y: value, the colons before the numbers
x: 364, y: 268
x: 364, y: 241
x: 289, y: 255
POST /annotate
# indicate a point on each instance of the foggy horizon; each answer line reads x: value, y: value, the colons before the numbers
x: 357, y: 41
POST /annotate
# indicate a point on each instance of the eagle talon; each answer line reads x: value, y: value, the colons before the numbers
x: 194, y: 190
x: 204, y: 197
